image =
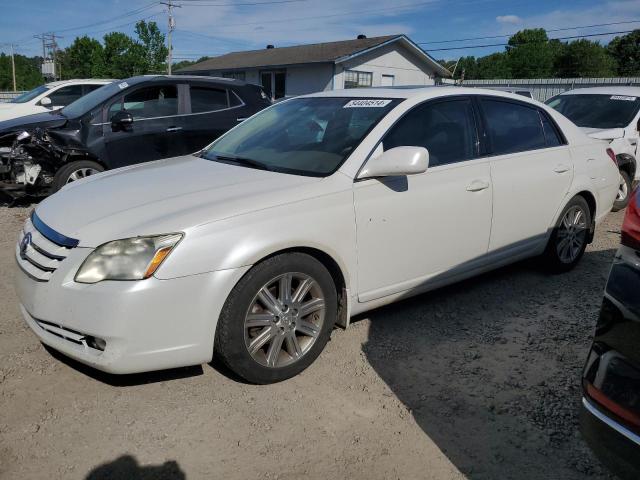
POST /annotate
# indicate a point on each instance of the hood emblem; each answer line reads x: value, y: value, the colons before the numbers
x: 24, y: 244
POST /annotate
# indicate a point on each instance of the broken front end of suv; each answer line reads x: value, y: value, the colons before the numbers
x: 31, y: 163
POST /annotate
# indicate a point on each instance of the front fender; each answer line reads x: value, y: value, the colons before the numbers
x: 324, y: 223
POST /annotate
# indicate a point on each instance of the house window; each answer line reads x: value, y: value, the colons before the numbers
x: 354, y: 79
x: 235, y: 75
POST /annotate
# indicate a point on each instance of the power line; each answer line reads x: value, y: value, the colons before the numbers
x: 528, y: 43
x: 512, y: 34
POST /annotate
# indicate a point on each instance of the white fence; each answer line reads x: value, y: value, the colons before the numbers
x: 545, y: 88
x: 6, y: 96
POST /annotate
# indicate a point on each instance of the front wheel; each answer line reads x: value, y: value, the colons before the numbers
x: 74, y: 171
x: 624, y: 189
x: 277, y: 319
x: 569, y: 237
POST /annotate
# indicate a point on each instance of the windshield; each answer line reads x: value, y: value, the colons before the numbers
x: 30, y: 95
x: 92, y: 100
x: 304, y: 136
x: 597, y: 111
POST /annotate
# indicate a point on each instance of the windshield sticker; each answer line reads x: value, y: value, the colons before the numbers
x: 623, y: 97
x: 367, y: 103
x: 123, y: 85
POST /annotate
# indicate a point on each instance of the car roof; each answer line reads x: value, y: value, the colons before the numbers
x: 95, y: 81
x: 633, y: 91
x: 420, y: 92
x: 182, y: 78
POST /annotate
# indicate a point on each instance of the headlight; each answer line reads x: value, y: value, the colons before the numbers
x: 129, y: 259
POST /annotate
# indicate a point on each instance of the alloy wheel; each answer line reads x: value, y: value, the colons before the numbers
x: 284, y: 320
x: 81, y: 173
x: 572, y: 234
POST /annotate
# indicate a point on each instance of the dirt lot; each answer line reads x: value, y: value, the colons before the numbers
x: 479, y: 380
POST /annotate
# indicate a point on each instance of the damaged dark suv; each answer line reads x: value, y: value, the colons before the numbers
x: 128, y: 121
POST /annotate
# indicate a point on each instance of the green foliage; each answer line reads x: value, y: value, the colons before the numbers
x: 584, y: 58
x: 530, y: 54
x: 83, y: 59
x: 626, y: 52
x: 152, y: 41
x: 27, y: 72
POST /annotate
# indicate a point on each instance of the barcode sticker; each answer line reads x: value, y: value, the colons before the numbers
x: 123, y: 85
x: 367, y: 103
x: 623, y: 97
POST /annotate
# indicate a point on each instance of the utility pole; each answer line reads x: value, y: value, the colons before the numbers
x: 13, y: 69
x: 172, y: 27
x: 49, y: 60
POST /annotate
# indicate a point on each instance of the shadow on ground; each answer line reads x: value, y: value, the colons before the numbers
x: 126, y: 467
x: 126, y: 380
x: 490, y: 368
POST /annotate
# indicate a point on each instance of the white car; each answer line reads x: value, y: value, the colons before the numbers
x: 611, y: 114
x: 50, y: 96
x: 314, y: 210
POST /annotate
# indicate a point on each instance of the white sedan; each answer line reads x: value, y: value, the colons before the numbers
x: 313, y: 210
x: 50, y: 96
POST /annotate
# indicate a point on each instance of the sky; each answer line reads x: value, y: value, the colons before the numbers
x: 215, y: 27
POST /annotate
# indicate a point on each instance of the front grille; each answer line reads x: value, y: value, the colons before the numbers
x: 39, y: 255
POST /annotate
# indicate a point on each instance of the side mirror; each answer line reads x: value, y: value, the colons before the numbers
x: 638, y: 125
x: 398, y: 161
x: 121, y: 120
x: 45, y: 102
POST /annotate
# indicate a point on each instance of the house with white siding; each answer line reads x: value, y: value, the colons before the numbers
x: 363, y: 62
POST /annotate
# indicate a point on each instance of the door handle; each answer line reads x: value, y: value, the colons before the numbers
x: 561, y: 168
x: 174, y: 129
x: 477, y: 185
x: 241, y: 119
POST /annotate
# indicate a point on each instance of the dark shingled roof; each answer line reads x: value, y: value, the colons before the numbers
x: 327, y: 52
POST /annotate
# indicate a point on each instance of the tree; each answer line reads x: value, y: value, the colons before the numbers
x: 584, y: 58
x: 152, y: 40
x: 82, y: 59
x: 122, y: 56
x: 626, y: 52
x: 28, y: 74
x: 530, y: 54
x: 495, y: 65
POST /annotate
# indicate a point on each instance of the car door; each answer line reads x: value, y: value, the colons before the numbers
x: 213, y: 111
x: 421, y: 229
x: 157, y: 127
x: 531, y: 170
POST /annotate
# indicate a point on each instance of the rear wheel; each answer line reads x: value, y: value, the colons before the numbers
x: 570, y: 236
x: 74, y: 171
x: 277, y: 319
x: 624, y: 189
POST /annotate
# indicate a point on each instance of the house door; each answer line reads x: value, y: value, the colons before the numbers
x: 274, y: 83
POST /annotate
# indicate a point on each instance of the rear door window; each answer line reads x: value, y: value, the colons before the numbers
x: 204, y: 99
x: 512, y: 127
x: 551, y: 135
x: 446, y: 129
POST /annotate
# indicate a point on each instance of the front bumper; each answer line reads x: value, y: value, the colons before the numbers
x: 148, y: 325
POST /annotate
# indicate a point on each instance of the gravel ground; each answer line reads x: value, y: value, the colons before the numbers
x: 478, y: 380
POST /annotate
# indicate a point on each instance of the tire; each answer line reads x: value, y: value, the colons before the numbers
x: 624, y: 192
x: 247, y: 322
x: 74, y: 171
x: 561, y: 256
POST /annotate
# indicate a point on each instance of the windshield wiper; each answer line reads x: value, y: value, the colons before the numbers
x: 249, y: 162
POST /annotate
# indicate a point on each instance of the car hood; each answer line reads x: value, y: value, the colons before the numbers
x: 165, y: 196
x: 603, y: 133
x: 29, y: 122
